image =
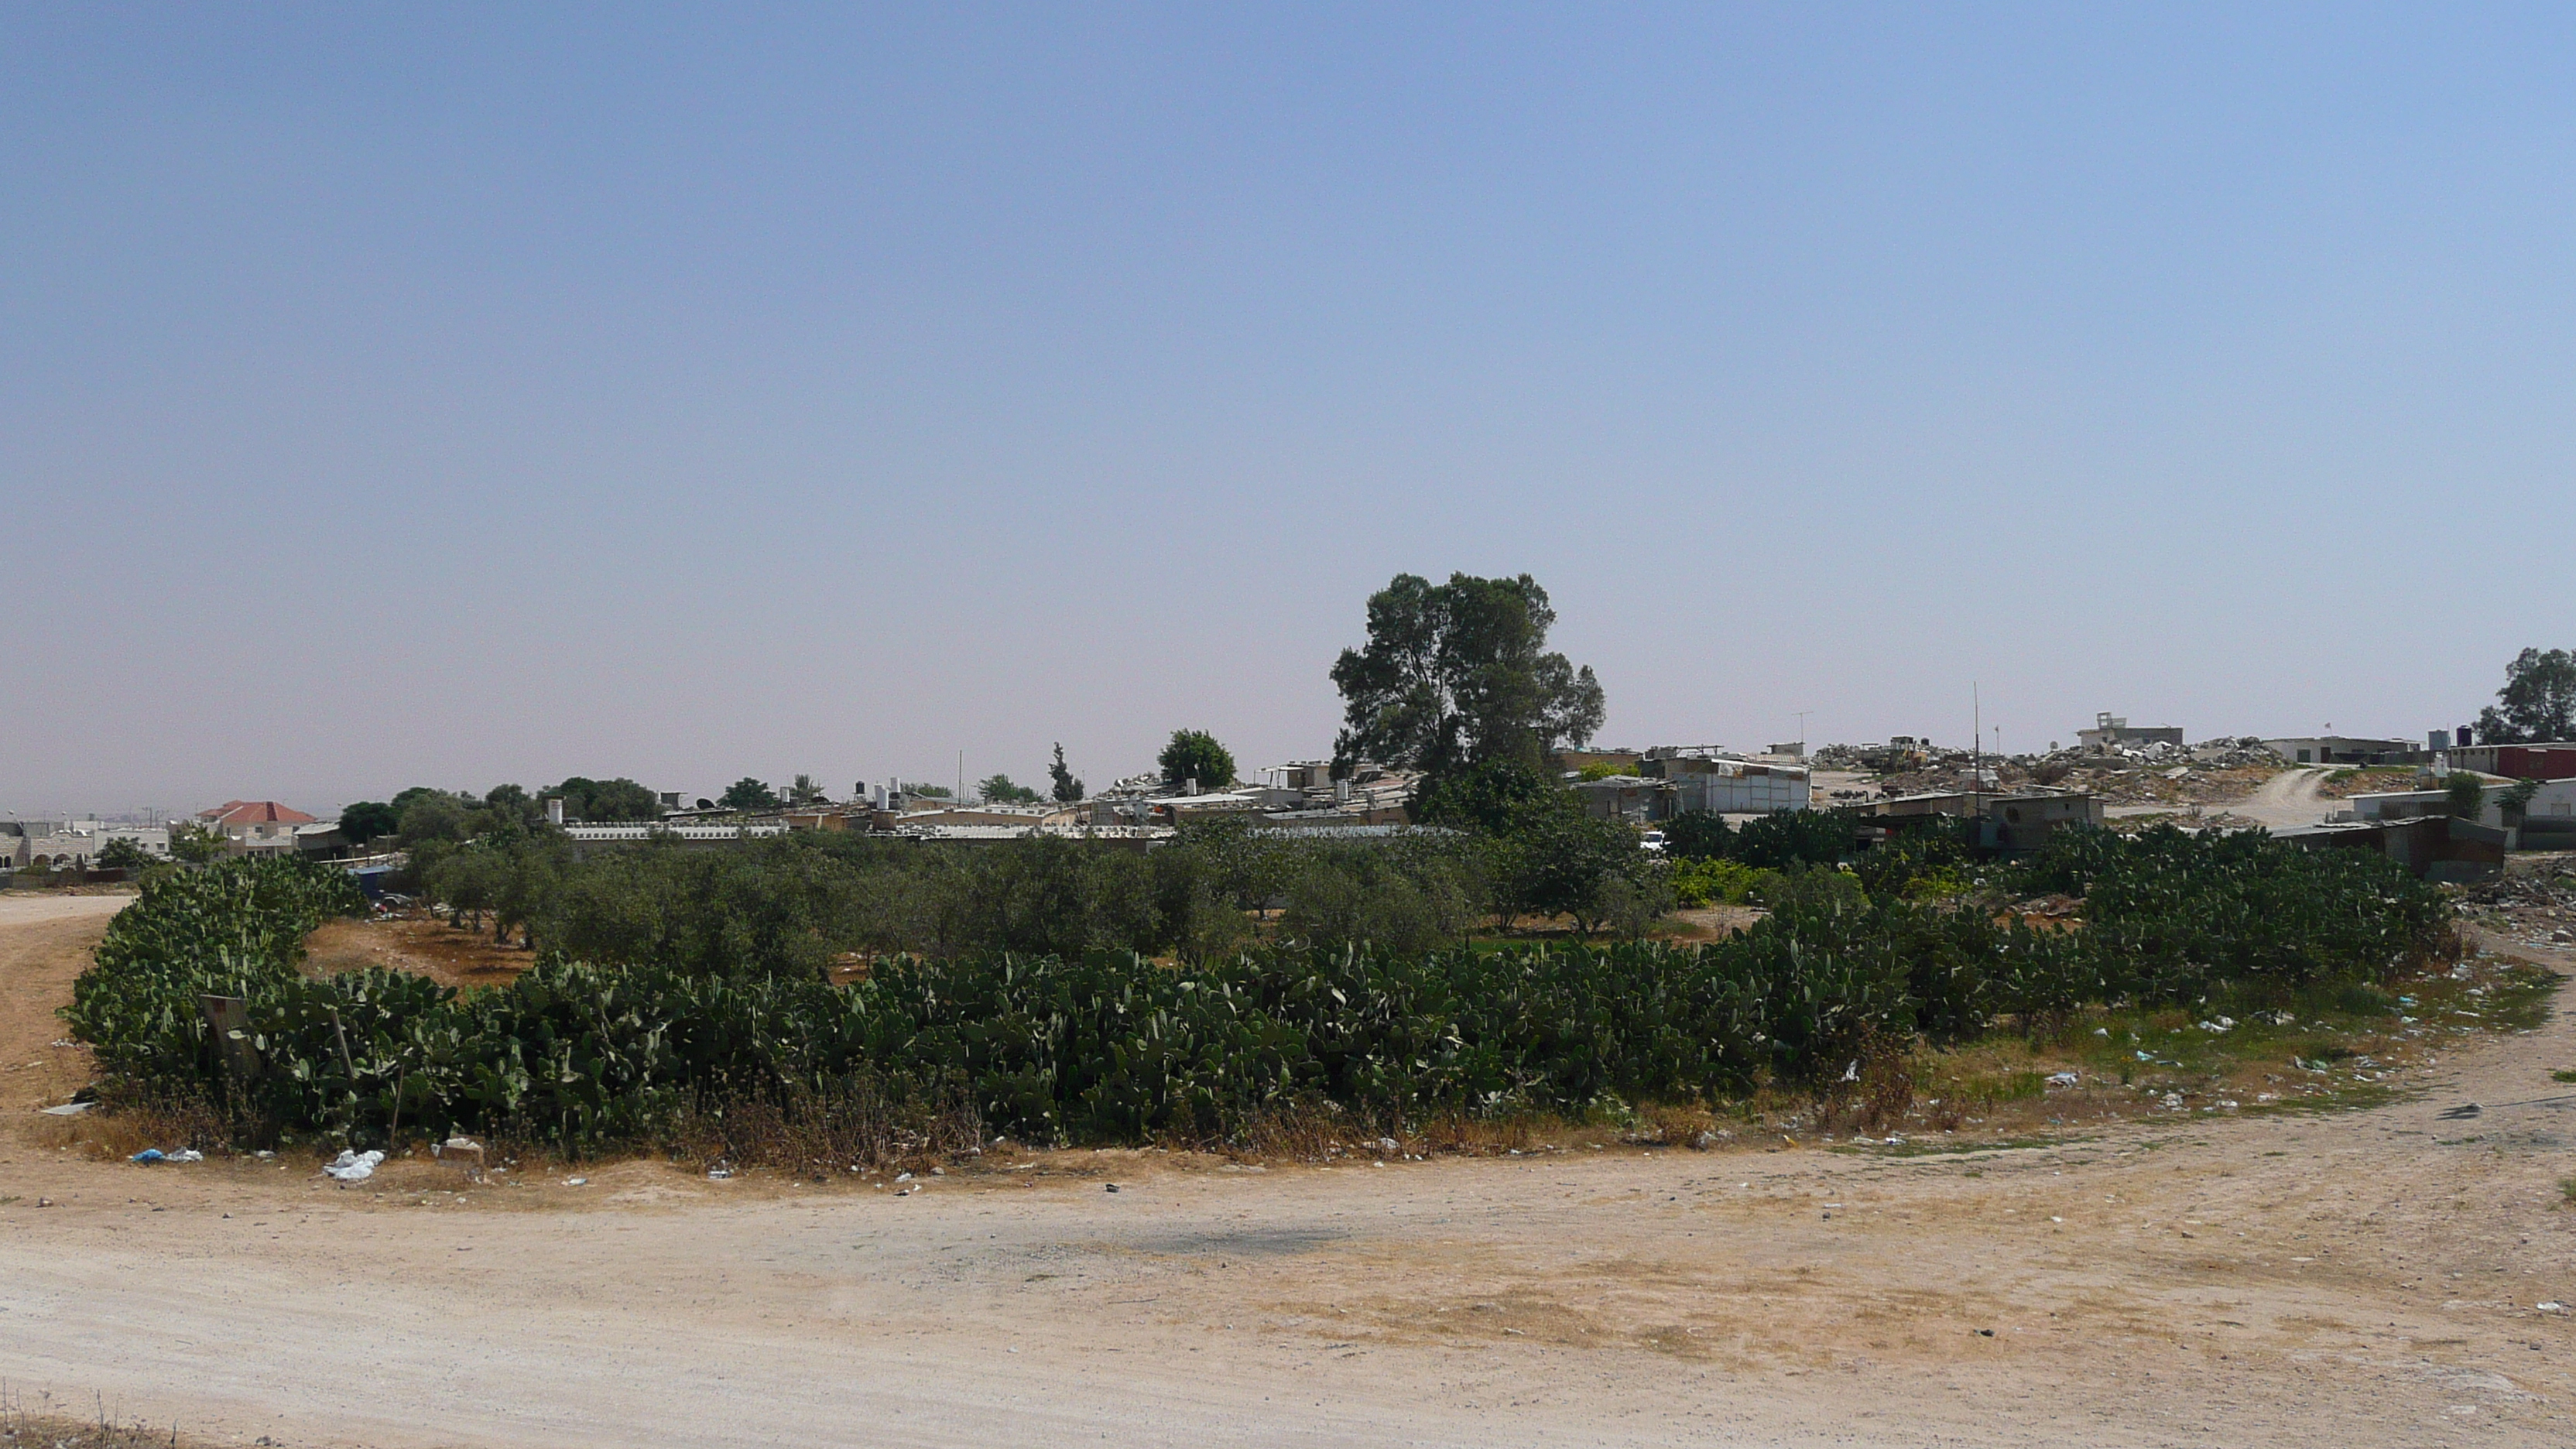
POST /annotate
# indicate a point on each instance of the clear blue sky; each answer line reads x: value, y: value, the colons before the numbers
x: 464, y: 395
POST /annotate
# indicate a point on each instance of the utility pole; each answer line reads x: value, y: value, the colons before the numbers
x: 1976, y: 743
x: 1802, y: 731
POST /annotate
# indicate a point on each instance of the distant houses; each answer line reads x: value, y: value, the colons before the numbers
x: 72, y: 844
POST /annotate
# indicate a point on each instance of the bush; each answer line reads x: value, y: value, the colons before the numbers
x: 1697, y: 883
x: 1796, y: 837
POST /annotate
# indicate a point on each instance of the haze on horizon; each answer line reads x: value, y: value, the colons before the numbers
x: 500, y: 394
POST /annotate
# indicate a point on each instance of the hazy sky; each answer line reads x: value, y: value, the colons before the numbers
x: 465, y: 395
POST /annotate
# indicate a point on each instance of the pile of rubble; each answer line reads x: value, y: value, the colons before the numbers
x: 2228, y: 768
x: 2532, y: 910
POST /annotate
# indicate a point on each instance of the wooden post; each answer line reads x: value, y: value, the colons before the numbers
x: 228, y: 1019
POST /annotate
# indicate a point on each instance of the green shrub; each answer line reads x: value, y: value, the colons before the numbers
x: 713, y: 1007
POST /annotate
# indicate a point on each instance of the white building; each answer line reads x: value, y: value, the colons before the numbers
x: 73, y: 843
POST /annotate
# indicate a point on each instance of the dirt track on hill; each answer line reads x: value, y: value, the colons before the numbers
x: 2359, y: 1279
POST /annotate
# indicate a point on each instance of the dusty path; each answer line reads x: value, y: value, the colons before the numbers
x: 44, y: 943
x: 2360, y: 1279
x: 2287, y: 799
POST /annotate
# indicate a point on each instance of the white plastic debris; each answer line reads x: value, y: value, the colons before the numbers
x: 576, y: 1182
x: 354, y: 1166
x: 68, y: 1109
x: 2551, y: 1307
x: 185, y: 1154
x: 2063, y: 1079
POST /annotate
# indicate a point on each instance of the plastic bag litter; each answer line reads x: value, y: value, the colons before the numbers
x: 147, y: 1156
x: 68, y: 1109
x: 354, y: 1166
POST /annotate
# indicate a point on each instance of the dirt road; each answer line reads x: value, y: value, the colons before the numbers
x: 2288, y: 798
x: 2363, y: 1279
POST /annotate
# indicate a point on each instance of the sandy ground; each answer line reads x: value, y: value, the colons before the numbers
x: 2360, y: 1279
x: 422, y: 945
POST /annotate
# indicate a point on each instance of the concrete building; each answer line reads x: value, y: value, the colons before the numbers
x: 2017, y: 823
x: 1634, y: 798
x: 1181, y: 809
x: 2433, y: 847
x: 1725, y: 784
x: 586, y: 838
x: 2551, y: 811
x: 2113, y: 733
x: 2343, y: 750
x: 2014, y: 823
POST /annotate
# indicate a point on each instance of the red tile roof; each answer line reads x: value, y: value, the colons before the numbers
x: 254, y: 812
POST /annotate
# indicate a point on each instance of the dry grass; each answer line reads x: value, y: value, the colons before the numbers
x: 53, y: 1433
x: 54, y: 1425
x: 855, y: 1127
x: 106, y: 1134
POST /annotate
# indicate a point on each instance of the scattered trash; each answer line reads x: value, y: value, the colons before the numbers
x: 2211, y: 1026
x: 719, y: 1174
x: 1109, y: 1187
x: 354, y: 1166
x: 147, y: 1155
x: 465, y: 1149
x: 2063, y: 1079
x: 1389, y: 1144
x: 185, y: 1154
x: 2462, y: 1112
x: 903, y: 1177
x: 68, y: 1109
x: 576, y: 1182
x: 2551, y: 1307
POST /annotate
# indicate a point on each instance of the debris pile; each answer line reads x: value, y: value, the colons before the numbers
x: 2213, y: 772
